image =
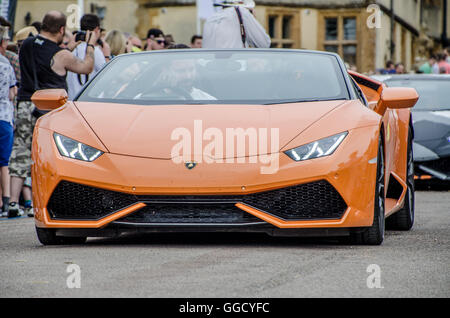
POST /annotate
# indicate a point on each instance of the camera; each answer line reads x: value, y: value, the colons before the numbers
x: 81, y: 36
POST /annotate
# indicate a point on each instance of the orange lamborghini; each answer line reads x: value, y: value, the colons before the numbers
x: 285, y: 142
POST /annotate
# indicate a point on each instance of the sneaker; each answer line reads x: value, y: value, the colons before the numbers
x: 29, y: 211
x: 4, y: 214
x: 14, y: 210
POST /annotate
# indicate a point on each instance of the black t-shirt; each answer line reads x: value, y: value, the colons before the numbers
x: 42, y: 51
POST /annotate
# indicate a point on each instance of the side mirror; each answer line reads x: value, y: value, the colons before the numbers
x: 396, y: 98
x: 49, y: 99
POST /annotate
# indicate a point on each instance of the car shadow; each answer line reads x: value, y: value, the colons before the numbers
x: 208, y: 240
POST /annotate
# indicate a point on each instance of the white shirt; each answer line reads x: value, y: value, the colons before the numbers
x: 222, y: 30
x: 73, y: 84
x: 7, y: 80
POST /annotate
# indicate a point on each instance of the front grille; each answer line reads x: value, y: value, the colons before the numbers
x: 75, y: 201
x: 190, y: 213
x: 315, y: 200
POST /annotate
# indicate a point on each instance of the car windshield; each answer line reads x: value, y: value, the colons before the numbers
x: 434, y: 94
x: 221, y: 77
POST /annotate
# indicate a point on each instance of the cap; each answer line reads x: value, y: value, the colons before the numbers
x: 249, y: 4
x: 154, y: 33
x: 24, y: 33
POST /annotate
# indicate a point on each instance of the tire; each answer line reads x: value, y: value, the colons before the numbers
x: 374, y: 235
x: 48, y: 237
x: 403, y: 220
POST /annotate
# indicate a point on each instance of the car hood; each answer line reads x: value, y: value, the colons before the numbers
x: 431, y: 134
x: 152, y: 131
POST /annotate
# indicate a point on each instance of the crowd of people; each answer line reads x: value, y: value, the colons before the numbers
x: 436, y: 64
x: 47, y: 55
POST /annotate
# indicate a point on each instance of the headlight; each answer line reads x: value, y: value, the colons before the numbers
x: 76, y: 150
x: 320, y: 148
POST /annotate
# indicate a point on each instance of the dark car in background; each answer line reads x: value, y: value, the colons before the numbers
x: 431, y: 121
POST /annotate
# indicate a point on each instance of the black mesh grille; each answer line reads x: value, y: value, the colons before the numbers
x: 315, y: 200
x: 190, y: 213
x: 76, y: 201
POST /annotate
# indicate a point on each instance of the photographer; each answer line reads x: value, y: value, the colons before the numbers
x: 88, y: 23
x: 43, y: 64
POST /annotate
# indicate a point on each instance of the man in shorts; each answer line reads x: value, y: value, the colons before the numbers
x: 7, y: 92
x: 42, y: 58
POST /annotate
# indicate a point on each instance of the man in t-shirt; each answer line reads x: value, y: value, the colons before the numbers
x: 43, y: 65
x: 75, y: 82
x: 429, y: 66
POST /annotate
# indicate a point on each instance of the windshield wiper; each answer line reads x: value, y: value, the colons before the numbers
x: 291, y: 101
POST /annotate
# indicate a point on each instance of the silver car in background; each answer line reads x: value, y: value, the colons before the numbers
x: 431, y: 121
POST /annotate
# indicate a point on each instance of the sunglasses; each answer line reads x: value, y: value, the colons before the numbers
x: 161, y: 41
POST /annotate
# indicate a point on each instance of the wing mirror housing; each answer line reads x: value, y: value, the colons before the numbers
x: 49, y: 99
x: 396, y: 98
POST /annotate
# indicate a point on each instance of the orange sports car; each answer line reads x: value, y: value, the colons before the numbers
x: 285, y: 142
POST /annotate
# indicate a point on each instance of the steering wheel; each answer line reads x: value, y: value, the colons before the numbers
x: 167, y: 92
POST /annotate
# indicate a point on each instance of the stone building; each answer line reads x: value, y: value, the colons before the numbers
x: 365, y: 33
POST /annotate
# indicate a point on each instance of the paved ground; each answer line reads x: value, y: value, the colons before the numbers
x: 412, y: 264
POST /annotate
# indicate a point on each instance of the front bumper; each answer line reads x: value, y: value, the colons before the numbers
x: 339, y: 190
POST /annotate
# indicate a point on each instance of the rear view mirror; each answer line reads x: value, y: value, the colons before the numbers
x: 396, y: 98
x: 49, y: 99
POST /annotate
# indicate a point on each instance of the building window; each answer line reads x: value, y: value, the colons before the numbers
x: 340, y: 36
x: 283, y: 28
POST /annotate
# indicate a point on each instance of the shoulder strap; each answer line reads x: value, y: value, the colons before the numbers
x: 79, y: 75
x: 241, y: 22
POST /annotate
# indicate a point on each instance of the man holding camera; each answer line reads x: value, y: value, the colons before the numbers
x: 88, y: 22
x: 43, y: 64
